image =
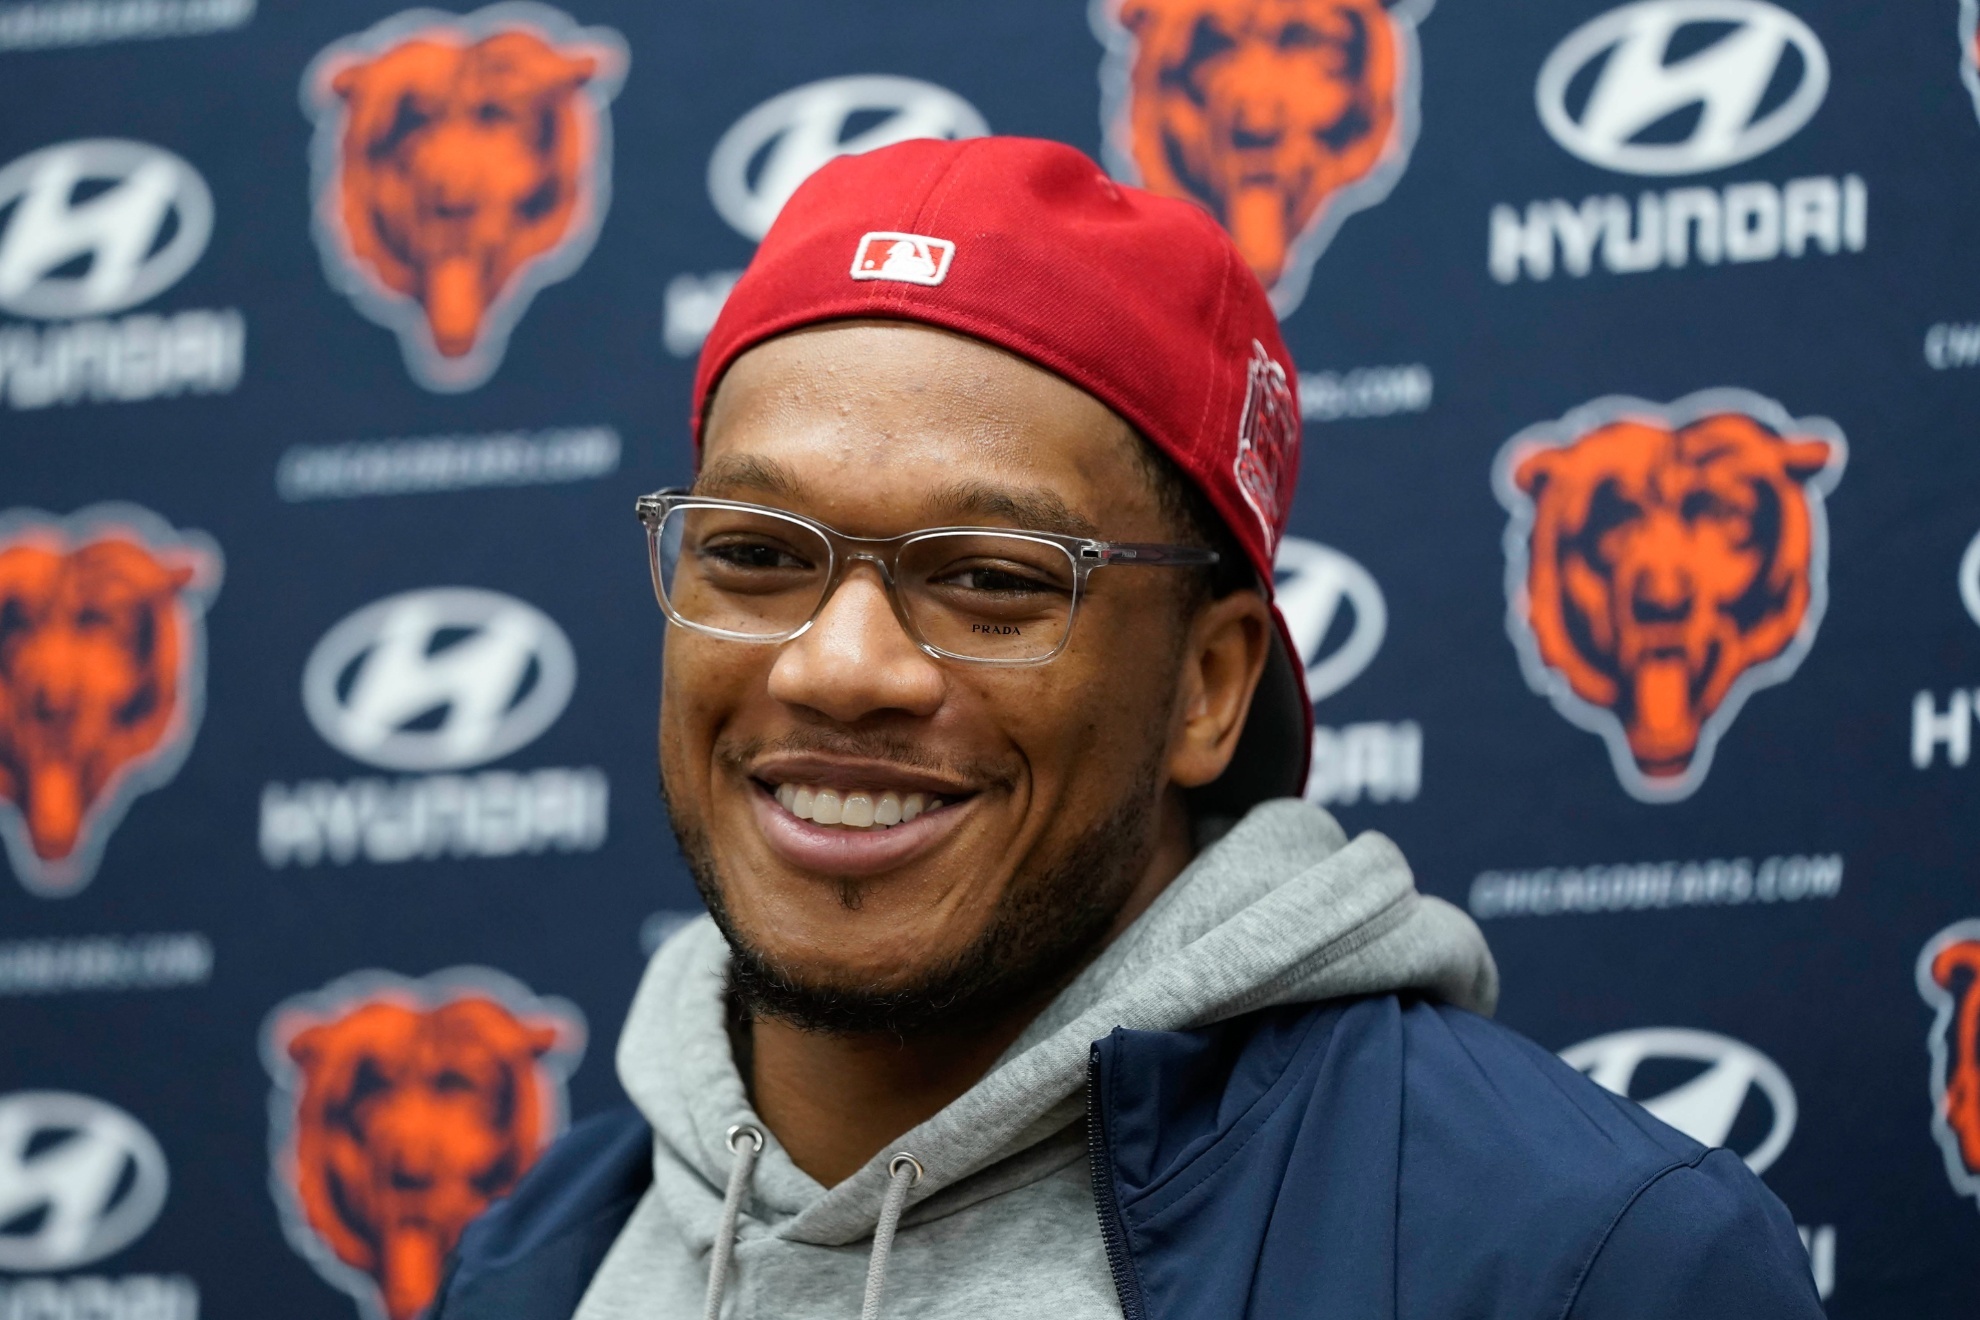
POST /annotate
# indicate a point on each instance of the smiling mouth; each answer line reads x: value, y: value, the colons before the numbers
x: 855, y: 809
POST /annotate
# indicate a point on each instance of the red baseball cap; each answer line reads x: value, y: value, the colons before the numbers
x: 1142, y: 301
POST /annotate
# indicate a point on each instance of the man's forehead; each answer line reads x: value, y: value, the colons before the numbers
x: 963, y: 501
x: 948, y: 381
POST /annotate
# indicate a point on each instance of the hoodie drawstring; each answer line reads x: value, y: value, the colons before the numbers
x: 746, y: 1142
x: 903, y: 1172
x: 751, y: 1139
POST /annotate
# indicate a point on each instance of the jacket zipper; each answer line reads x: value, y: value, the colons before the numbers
x: 1126, y: 1285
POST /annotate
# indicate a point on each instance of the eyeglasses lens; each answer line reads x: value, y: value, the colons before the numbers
x: 986, y: 596
x: 739, y: 571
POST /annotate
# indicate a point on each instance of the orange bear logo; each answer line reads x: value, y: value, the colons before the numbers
x: 1280, y: 117
x: 1663, y: 564
x: 1949, y: 979
x: 102, y: 677
x: 404, y: 1108
x: 460, y: 167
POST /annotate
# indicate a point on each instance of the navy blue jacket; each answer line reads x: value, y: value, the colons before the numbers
x: 1380, y: 1157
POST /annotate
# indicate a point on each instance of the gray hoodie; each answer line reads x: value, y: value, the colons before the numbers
x: 1001, y: 1221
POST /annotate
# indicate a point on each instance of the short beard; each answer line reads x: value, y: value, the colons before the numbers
x: 1047, y: 925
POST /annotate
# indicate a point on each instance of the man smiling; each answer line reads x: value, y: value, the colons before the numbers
x: 1029, y: 987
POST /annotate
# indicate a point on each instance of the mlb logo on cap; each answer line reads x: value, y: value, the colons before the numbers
x: 909, y: 258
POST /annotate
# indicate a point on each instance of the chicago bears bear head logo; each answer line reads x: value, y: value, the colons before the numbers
x: 1949, y: 978
x: 102, y: 677
x: 1663, y: 564
x: 403, y: 1108
x: 461, y: 164
x: 1281, y: 117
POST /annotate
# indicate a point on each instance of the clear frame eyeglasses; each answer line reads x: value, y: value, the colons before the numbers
x: 987, y: 595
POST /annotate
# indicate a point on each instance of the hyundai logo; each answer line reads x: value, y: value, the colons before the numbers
x: 440, y: 679
x: 1666, y: 87
x: 96, y: 226
x: 79, y: 1180
x: 767, y: 153
x: 1714, y: 1089
x: 1334, y: 610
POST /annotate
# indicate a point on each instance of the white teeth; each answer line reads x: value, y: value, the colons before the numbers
x: 854, y: 808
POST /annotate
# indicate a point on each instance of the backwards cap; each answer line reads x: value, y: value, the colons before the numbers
x: 1140, y: 300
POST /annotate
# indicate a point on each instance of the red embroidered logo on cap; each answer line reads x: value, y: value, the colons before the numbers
x: 1268, y: 436
x: 909, y: 258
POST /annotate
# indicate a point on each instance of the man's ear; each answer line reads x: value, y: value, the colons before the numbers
x: 1225, y: 654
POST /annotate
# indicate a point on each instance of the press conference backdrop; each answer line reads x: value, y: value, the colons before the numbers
x: 1636, y: 561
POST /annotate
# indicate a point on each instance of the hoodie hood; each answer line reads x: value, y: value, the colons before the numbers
x: 1282, y: 909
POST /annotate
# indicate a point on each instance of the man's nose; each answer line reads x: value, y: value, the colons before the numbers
x: 856, y: 659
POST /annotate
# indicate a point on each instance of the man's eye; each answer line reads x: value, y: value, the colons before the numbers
x: 996, y: 580
x: 751, y: 555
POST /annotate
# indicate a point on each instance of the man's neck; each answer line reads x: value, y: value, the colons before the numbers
x: 836, y: 1101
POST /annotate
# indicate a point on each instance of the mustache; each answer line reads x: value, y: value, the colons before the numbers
x: 871, y: 745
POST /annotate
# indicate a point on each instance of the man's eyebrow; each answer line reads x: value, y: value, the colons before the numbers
x: 1032, y: 509
x: 735, y: 474
x: 961, y: 502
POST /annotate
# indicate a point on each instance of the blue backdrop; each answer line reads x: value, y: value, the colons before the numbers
x: 1635, y: 558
